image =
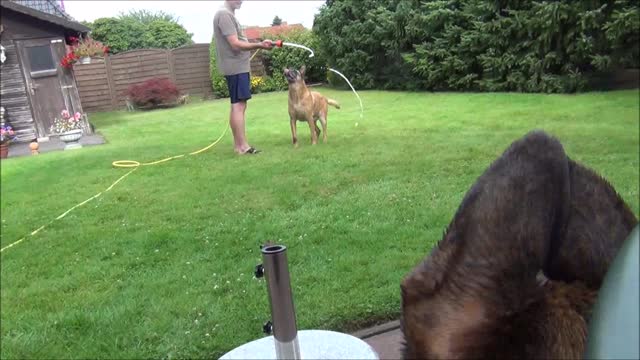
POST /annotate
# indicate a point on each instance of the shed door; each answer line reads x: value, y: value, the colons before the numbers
x: 45, y: 78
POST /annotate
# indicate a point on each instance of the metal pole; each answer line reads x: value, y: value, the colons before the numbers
x: 285, y: 333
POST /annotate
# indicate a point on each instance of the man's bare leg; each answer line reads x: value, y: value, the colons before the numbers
x: 237, y: 121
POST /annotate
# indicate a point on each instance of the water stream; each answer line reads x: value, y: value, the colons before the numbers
x: 354, y: 90
x: 299, y: 46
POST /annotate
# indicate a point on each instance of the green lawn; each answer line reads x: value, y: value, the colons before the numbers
x: 162, y: 265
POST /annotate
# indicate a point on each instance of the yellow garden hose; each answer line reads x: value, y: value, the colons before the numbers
x: 119, y: 164
x: 133, y: 163
x: 254, y: 55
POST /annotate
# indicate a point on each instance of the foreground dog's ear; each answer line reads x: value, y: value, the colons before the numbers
x: 302, y: 69
x: 285, y: 70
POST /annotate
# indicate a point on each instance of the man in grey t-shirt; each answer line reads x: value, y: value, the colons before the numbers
x: 232, y: 57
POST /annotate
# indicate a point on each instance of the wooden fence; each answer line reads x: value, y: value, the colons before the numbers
x: 102, y: 84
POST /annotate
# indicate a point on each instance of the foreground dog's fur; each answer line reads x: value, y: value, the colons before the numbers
x: 306, y: 105
x: 477, y: 295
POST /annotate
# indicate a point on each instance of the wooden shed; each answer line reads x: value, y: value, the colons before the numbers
x: 34, y: 87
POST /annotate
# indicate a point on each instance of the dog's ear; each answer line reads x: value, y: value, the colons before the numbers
x: 302, y: 69
x: 285, y: 70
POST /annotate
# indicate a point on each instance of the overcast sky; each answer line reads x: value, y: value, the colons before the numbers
x: 197, y: 16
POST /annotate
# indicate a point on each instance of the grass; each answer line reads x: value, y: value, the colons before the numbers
x: 161, y: 266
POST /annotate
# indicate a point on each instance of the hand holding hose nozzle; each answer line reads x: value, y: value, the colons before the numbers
x: 270, y: 44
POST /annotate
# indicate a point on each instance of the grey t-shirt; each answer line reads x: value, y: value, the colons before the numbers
x: 230, y: 62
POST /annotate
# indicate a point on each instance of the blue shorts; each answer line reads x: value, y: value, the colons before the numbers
x: 239, y: 87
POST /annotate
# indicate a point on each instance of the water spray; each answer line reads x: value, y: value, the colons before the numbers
x: 280, y: 43
x: 354, y: 90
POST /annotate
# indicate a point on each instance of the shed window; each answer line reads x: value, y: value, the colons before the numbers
x: 40, y: 58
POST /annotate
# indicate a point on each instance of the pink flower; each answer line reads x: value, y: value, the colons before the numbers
x: 77, y: 116
x: 65, y: 114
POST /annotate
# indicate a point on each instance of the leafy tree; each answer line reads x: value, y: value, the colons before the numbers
x: 119, y: 35
x: 487, y: 45
x: 276, y: 21
x: 166, y: 35
x: 622, y: 31
x: 365, y: 39
x: 145, y: 16
x: 139, y: 30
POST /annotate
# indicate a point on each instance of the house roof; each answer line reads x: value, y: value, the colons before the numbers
x: 47, y: 6
x: 54, y: 19
x: 256, y: 32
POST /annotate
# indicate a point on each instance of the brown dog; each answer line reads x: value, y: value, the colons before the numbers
x: 306, y: 105
x: 478, y: 294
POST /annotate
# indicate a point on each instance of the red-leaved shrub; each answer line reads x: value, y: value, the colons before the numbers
x: 153, y: 93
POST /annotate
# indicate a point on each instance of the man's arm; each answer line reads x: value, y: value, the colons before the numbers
x: 239, y: 45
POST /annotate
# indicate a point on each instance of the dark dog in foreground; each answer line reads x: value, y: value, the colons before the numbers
x: 306, y: 105
x: 479, y: 295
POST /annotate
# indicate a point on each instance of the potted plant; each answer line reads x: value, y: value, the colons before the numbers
x: 68, y: 60
x: 83, y: 50
x: 69, y: 127
x: 87, y: 48
x: 6, y: 135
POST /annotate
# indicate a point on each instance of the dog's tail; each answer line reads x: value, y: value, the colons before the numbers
x: 333, y: 103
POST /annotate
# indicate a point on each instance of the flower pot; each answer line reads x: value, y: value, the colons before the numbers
x: 4, y: 150
x: 85, y: 60
x: 71, y: 139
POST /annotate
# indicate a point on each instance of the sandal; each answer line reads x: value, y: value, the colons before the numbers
x: 251, y: 151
